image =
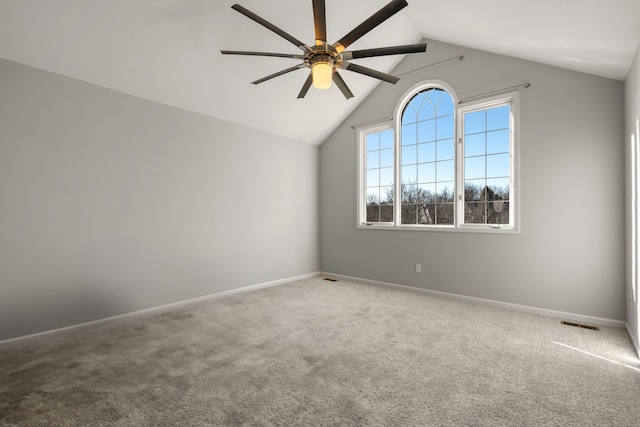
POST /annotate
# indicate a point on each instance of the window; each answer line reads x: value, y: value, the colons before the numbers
x: 453, y: 166
x: 486, y: 143
x: 427, y: 158
x: 379, y: 175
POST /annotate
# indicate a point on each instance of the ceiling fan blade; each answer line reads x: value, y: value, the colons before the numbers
x: 369, y: 24
x: 383, y: 51
x: 278, y: 55
x: 270, y: 26
x: 279, y: 73
x: 306, y: 86
x: 369, y: 72
x: 320, y: 22
x: 337, y: 79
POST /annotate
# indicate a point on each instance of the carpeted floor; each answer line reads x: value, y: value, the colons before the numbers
x: 322, y: 353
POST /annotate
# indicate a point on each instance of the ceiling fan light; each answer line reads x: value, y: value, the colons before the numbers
x: 322, y: 73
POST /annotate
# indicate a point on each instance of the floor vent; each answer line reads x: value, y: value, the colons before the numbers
x: 330, y: 280
x: 580, y: 325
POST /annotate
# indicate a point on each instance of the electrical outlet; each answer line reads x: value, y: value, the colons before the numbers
x: 418, y: 268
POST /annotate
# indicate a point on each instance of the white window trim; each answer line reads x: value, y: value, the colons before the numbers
x: 512, y: 98
x: 395, y: 124
x: 362, y: 132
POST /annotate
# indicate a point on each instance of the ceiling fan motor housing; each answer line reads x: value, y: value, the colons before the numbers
x: 325, y: 54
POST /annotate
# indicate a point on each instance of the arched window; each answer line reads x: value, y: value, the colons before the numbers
x: 452, y: 163
x: 427, y: 158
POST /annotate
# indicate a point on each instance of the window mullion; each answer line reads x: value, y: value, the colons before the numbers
x: 397, y: 176
x: 459, y: 165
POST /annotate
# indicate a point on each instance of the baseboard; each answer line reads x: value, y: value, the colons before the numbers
x: 633, y: 340
x: 18, y: 341
x: 601, y: 321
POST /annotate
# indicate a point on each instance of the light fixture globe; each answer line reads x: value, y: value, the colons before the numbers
x: 322, y: 71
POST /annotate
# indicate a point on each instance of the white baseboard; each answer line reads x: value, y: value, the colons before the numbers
x: 633, y: 340
x: 601, y: 321
x: 17, y: 341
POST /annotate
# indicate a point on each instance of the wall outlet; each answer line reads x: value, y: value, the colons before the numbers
x: 418, y: 268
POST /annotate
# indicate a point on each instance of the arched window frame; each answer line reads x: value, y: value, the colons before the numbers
x: 399, y: 111
x: 460, y: 109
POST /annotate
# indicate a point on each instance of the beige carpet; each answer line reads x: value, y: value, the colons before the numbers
x: 322, y: 353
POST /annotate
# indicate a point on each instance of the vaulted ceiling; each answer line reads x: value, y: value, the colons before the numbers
x: 168, y: 51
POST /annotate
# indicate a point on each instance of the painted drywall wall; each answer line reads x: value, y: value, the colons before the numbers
x: 111, y: 204
x: 632, y: 137
x: 569, y: 255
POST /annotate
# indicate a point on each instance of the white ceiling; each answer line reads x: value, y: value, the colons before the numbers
x: 169, y: 50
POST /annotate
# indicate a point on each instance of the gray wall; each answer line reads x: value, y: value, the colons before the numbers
x: 632, y: 122
x: 569, y: 255
x: 110, y: 203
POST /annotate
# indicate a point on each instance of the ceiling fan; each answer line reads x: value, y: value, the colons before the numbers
x: 325, y: 59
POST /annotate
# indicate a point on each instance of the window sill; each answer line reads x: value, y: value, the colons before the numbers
x: 441, y: 228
